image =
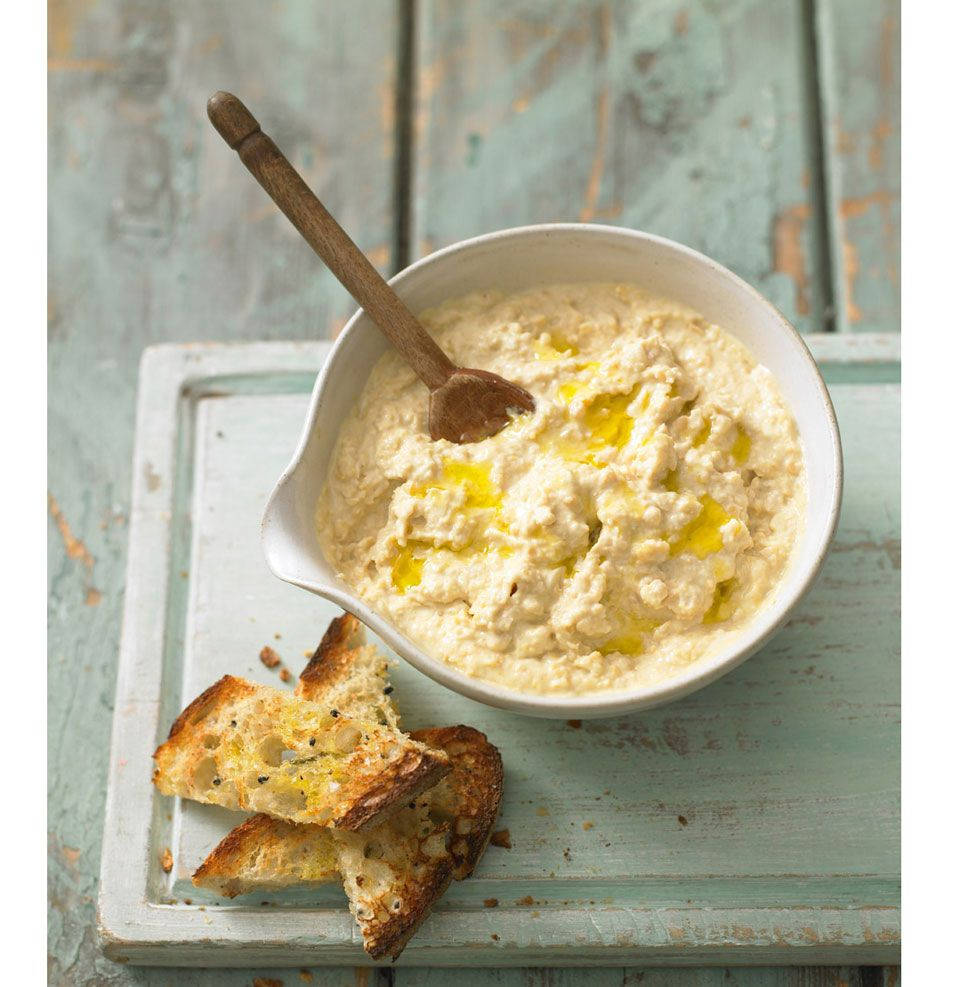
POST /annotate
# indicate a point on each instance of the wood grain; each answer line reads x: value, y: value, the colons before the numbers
x: 688, y: 119
x: 859, y: 44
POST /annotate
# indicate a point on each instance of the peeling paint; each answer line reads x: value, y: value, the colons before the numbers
x: 379, y: 255
x: 589, y: 209
x: 880, y: 132
x: 63, y: 17
x: 851, y: 268
x: 152, y: 478
x: 854, y: 206
x: 789, y: 254
x: 596, y: 169
x: 74, y: 546
x: 843, y: 141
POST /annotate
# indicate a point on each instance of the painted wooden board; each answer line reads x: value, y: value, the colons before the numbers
x: 859, y: 56
x: 686, y: 118
x: 755, y: 822
x: 652, y: 977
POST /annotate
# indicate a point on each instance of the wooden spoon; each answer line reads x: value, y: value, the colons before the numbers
x: 465, y: 405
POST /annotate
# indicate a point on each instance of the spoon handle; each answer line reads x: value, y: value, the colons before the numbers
x: 238, y: 127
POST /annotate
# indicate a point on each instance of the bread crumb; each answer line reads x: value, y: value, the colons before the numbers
x: 494, y: 937
x: 491, y: 902
x: 276, y: 635
x: 526, y: 900
x: 501, y: 838
x: 188, y: 901
x: 306, y: 976
x: 588, y: 825
x: 576, y: 724
x: 269, y: 657
x: 308, y: 654
x: 166, y: 861
x: 285, y: 675
x: 682, y: 820
x: 542, y: 810
x: 266, y: 982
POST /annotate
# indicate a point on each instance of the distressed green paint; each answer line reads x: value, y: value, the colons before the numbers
x: 688, y: 119
x: 652, y: 977
x: 757, y: 818
x: 157, y: 233
x: 859, y: 46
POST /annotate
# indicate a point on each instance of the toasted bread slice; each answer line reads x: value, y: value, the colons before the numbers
x: 266, y: 854
x: 393, y: 873
x: 263, y: 853
x: 469, y: 797
x: 349, y: 675
x: 247, y: 746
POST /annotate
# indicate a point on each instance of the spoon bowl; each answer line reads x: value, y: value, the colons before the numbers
x: 474, y: 404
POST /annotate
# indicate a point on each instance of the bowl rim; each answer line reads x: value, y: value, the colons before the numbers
x: 610, y: 702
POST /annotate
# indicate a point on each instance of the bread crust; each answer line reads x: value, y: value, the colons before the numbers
x: 222, y: 691
x: 331, y: 662
x: 223, y: 872
x: 413, y: 773
x: 476, y: 784
x: 391, y: 936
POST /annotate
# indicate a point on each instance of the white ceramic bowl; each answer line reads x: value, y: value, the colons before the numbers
x: 521, y: 258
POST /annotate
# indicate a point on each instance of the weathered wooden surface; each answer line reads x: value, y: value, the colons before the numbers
x: 156, y: 233
x: 729, y: 824
x: 646, y: 977
x: 859, y: 46
x: 150, y: 240
x: 692, y: 120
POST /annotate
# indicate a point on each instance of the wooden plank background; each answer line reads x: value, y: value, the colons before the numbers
x: 859, y: 46
x: 765, y: 132
x: 692, y: 120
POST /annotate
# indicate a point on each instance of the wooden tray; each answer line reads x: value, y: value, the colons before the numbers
x: 756, y: 821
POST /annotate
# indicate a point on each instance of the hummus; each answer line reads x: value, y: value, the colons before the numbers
x: 634, y: 523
